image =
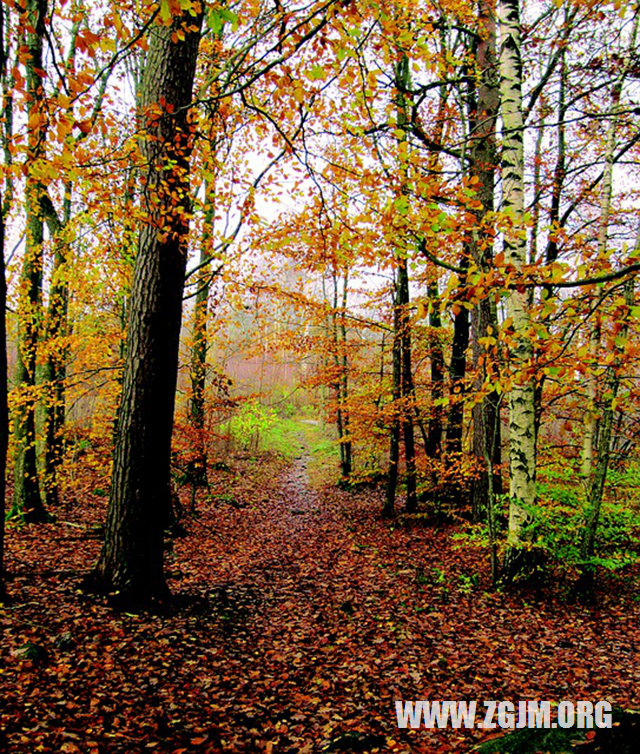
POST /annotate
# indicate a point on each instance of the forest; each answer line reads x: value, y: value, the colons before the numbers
x: 320, y: 374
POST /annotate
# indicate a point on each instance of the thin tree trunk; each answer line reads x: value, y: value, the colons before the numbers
x: 130, y: 565
x: 590, y: 418
x: 198, y: 372
x: 344, y: 377
x: 434, y: 427
x: 341, y: 385
x: 599, y: 474
x: 388, y: 508
x: 458, y: 371
x: 535, y: 224
x: 406, y: 386
x: 402, y: 367
x: 54, y: 371
x: 598, y: 431
x: 4, y: 412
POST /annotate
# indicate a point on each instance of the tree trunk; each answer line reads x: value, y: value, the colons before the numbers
x: 55, y: 367
x: 131, y: 561
x: 406, y: 386
x: 4, y: 414
x: 197, y: 470
x: 599, y: 473
x: 598, y: 433
x: 591, y: 428
x: 522, y: 459
x: 388, y: 508
x: 26, y: 500
x: 344, y: 374
x: 434, y: 427
x: 403, y: 392
x: 482, y: 105
x: 341, y: 380
x: 5, y: 198
x: 457, y: 373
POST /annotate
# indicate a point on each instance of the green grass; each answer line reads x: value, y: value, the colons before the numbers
x: 292, y: 437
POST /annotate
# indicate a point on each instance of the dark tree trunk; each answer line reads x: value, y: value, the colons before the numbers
x: 403, y: 397
x: 131, y: 562
x: 4, y: 414
x: 55, y: 368
x: 4, y: 207
x: 434, y: 431
x: 388, y: 508
x: 341, y: 383
x: 26, y: 500
x: 483, y: 103
x: 344, y: 374
x: 487, y: 435
x: 406, y: 387
x: 457, y: 373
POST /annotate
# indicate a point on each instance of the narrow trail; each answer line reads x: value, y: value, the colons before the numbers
x: 300, y: 617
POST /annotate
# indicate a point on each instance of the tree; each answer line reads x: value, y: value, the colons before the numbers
x: 4, y: 413
x: 26, y: 499
x: 341, y: 367
x: 522, y: 457
x: 482, y: 103
x: 198, y: 369
x: 131, y: 561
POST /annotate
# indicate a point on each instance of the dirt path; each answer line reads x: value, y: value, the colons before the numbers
x: 300, y: 617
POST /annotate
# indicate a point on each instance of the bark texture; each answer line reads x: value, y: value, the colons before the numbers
x: 522, y: 460
x: 341, y: 363
x: 54, y: 370
x: 26, y: 500
x: 482, y: 104
x: 131, y: 561
x: 4, y: 414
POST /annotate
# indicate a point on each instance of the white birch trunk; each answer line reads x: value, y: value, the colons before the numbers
x: 522, y: 460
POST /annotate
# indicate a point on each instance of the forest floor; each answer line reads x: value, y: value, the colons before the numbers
x: 300, y: 617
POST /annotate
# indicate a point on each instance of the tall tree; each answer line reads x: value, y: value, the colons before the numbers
x: 598, y: 476
x: 522, y: 459
x: 26, y: 501
x: 401, y: 351
x: 199, y: 348
x: 482, y: 102
x: 4, y: 414
x: 341, y: 364
x: 131, y: 561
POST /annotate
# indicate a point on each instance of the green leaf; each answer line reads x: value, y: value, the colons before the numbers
x: 401, y: 205
x: 218, y: 17
x: 165, y: 11
x: 215, y: 21
x: 317, y: 73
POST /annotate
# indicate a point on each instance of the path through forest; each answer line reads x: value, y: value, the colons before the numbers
x: 300, y: 616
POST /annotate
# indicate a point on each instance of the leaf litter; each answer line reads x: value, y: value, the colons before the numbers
x: 298, y: 620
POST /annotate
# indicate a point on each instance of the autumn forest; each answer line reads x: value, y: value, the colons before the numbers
x: 320, y: 374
